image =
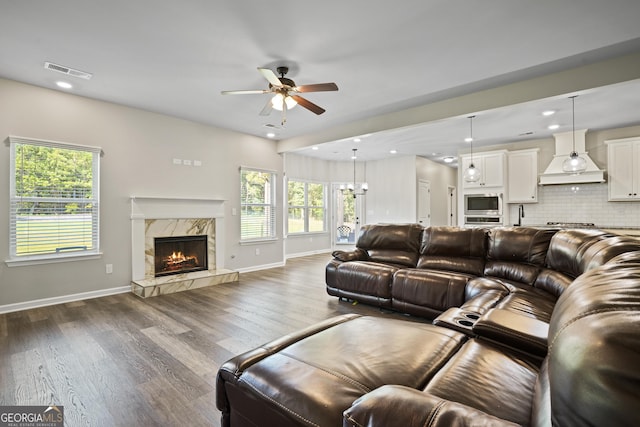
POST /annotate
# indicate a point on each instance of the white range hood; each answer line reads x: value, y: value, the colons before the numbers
x: 564, y: 146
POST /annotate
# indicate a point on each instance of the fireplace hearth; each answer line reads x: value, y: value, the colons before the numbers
x: 179, y: 254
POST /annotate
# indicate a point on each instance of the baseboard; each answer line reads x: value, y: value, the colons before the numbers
x: 9, y: 308
x: 301, y: 254
x: 260, y: 267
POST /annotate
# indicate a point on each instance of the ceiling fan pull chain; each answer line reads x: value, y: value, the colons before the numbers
x: 284, y: 112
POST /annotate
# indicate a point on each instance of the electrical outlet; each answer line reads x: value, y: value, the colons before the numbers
x: 109, y: 268
x: 257, y: 251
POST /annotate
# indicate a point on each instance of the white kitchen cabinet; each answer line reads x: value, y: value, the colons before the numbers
x: 522, y: 176
x: 623, y: 166
x: 491, y: 166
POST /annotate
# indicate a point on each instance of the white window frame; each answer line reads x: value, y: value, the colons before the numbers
x: 307, y: 208
x: 90, y: 251
x: 269, y: 204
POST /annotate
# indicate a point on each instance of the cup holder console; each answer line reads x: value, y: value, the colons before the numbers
x: 464, y: 322
x: 458, y: 319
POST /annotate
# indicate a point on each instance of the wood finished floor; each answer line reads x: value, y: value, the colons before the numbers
x: 125, y: 361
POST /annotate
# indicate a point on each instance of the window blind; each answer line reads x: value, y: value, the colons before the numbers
x: 257, y: 204
x: 54, y: 198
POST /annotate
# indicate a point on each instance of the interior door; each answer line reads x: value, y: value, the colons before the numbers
x: 347, y: 216
x: 424, y: 203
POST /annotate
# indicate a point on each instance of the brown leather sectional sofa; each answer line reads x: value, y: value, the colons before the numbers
x: 531, y: 327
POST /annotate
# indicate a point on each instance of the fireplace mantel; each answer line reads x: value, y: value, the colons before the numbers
x: 149, y: 207
x: 150, y: 212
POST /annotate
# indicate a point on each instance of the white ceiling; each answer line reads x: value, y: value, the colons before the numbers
x: 176, y: 57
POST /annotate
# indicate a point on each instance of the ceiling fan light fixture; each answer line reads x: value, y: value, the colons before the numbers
x: 276, y: 102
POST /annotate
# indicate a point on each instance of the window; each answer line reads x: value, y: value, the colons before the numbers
x: 54, y: 199
x: 306, y: 207
x: 257, y: 205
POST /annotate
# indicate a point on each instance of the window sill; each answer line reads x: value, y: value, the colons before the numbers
x: 20, y: 262
x: 258, y: 241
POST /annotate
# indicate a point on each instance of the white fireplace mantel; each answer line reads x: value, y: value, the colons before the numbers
x: 144, y: 208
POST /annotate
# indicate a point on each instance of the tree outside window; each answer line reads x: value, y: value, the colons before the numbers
x: 54, y: 199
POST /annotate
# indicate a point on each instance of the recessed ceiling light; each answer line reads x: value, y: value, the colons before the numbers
x: 548, y: 113
x: 468, y: 139
x: 553, y: 127
x: 393, y: 151
x: 356, y: 140
x: 315, y: 148
x: 448, y: 159
x: 64, y: 85
x: 271, y: 135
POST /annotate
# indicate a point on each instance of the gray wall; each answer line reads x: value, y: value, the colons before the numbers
x: 139, y: 148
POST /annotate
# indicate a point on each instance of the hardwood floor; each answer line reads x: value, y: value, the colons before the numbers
x: 125, y: 361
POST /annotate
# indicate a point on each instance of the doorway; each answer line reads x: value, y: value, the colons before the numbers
x: 347, y: 216
x: 452, y: 206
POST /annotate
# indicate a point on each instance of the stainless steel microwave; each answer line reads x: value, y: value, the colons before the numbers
x: 483, y: 204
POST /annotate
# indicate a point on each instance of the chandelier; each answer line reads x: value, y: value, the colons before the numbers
x: 351, y: 187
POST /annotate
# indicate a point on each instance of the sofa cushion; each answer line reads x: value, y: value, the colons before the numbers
x: 427, y: 292
x: 490, y: 378
x: 594, y: 347
x: 453, y: 249
x: 517, y: 253
x: 367, y: 281
x: 394, y: 405
x: 391, y: 243
x: 312, y: 379
x: 565, y: 249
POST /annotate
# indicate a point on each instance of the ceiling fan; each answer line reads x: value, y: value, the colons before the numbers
x: 285, y: 92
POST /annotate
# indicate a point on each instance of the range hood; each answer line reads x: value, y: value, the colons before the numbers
x: 564, y: 145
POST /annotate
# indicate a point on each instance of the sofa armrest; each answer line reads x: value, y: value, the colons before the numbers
x: 394, y: 405
x: 514, y: 329
x: 355, y: 255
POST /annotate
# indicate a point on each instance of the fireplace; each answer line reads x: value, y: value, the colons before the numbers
x: 180, y: 254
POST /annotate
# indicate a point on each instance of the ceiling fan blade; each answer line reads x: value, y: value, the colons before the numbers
x: 308, y: 104
x: 319, y: 87
x: 268, y: 107
x: 244, y: 92
x: 271, y: 77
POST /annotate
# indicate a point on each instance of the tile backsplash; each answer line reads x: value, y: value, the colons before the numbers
x: 578, y: 203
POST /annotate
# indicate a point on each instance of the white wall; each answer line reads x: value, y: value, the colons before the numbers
x: 139, y: 148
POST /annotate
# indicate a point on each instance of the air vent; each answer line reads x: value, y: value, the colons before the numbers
x: 68, y: 71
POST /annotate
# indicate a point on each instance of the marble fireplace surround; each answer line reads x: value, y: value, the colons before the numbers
x: 164, y: 217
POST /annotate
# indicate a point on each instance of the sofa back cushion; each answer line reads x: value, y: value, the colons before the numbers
x: 594, y: 348
x: 391, y: 243
x: 517, y: 253
x: 454, y: 249
x: 566, y: 248
x: 604, y: 250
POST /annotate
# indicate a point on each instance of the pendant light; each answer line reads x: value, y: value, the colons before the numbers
x: 471, y: 174
x: 575, y: 164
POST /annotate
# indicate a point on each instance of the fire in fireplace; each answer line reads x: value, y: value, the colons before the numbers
x: 180, y: 254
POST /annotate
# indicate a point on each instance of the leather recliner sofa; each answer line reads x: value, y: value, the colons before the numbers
x: 501, y: 370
